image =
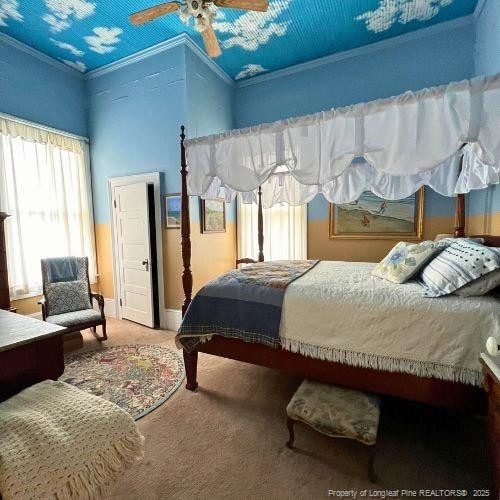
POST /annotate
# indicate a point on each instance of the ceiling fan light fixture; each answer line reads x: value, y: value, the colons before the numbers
x: 208, y: 15
x: 200, y: 24
x: 202, y: 11
x: 185, y: 15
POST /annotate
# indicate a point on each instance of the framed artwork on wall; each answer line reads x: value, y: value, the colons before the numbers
x: 172, y: 211
x: 212, y: 216
x: 372, y: 217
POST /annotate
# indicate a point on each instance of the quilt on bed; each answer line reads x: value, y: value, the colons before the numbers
x: 244, y: 303
x: 340, y: 312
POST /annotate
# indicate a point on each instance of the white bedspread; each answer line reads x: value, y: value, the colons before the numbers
x: 338, y: 311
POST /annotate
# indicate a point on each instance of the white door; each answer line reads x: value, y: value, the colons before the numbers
x: 134, y: 253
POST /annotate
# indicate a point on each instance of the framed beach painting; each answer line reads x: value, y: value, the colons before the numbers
x: 172, y: 207
x: 212, y: 216
x: 373, y: 217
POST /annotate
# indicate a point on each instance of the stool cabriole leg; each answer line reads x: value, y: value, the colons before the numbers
x: 372, y: 475
x: 291, y: 438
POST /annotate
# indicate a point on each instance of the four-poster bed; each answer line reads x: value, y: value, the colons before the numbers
x: 466, y: 161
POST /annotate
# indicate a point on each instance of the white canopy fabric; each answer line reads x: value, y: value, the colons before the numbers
x: 391, y: 147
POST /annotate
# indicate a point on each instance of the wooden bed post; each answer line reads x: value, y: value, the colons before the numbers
x: 190, y: 358
x: 460, y: 209
x: 260, y: 227
x: 460, y: 216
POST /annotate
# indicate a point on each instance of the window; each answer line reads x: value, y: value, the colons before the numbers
x: 285, y: 231
x: 45, y: 188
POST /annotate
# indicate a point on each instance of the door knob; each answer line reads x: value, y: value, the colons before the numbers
x: 145, y: 262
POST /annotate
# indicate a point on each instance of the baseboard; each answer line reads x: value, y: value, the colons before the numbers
x: 173, y: 318
x: 109, y: 307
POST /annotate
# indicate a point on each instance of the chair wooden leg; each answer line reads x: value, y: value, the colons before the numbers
x: 93, y: 329
x: 372, y: 475
x: 291, y: 433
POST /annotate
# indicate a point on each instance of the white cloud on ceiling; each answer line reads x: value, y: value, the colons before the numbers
x: 253, y: 29
x: 103, y: 39
x: 403, y: 11
x: 9, y: 9
x: 62, y: 12
x: 67, y: 46
x: 250, y: 70
x: 79, y: 65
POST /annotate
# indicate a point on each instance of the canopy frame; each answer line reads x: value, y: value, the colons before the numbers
x: 187, y: 275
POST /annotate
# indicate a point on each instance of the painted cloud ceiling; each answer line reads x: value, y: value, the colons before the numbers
x: 88, y: 34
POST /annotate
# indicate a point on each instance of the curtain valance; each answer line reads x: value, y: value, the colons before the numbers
x: 30, y: 133
x: 400, y: 144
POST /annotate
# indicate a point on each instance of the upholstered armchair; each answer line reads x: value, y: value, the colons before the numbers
x: 67, y: 297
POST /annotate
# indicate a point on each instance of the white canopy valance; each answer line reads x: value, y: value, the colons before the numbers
x: 391, y: 147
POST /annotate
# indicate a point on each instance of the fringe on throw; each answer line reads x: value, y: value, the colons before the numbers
x: 91, y: 480
x: 386, y: 363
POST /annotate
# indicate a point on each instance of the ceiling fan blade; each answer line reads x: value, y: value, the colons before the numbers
x: 146, y: 15
x: 258, y: 5
x: 211, y: 43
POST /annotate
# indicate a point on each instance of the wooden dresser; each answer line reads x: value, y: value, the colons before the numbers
x: 30, y: 351
x: 491, y: 371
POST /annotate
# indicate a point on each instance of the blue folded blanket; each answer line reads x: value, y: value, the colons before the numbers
x: 62, y: 269
x: 244, y: 303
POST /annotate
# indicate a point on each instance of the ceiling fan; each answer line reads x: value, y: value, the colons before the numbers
x: 203, y: 13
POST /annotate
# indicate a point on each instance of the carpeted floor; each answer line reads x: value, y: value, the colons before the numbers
x: 227, y: 440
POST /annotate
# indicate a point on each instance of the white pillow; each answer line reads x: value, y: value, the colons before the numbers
x: 462, y: 262
x: 480, y: 286
x: 405, y: 260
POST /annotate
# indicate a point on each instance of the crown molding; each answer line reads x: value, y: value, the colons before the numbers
x: 208, y: 60
x: 41, y: 56
x: 479, y: 8
x: 137, y: 56
x: 182, y: 39
x: 360, y: 51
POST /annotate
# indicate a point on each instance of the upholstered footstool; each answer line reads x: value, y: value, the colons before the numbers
x: 336, y: 412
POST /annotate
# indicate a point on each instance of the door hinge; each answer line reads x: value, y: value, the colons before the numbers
x: 121, y: 302
x: 114, y: 203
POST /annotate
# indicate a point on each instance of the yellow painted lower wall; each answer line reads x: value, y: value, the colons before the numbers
x: 484, y: 224
x: 28, y: 305
x: 319, y: 246
x: 212, y: 255
x: 104, y: 260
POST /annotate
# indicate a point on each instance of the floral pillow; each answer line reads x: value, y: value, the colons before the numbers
x: 405, y: 260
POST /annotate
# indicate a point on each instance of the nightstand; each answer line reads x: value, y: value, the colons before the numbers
x: 491, y: 372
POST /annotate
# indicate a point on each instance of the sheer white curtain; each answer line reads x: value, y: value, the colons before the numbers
x: 285, y: 231
x: 45, y: 188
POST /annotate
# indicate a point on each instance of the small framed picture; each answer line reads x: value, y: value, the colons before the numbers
x: 172, y: 207
x: 212, y: 216
x: 371, y: 217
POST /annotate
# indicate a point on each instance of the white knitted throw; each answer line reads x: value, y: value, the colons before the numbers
x: 59, y: 442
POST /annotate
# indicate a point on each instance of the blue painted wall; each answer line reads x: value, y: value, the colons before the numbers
x: 210, y: 101
x: 487, y: 50
x: 487, y: 62
x: 134, y: 117
x: 434, y: 60
x: 37, y: 91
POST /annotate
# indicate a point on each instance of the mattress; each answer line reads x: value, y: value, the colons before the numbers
x: 339, y: 312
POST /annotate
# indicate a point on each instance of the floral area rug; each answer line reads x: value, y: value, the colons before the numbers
x: 138, y: 378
